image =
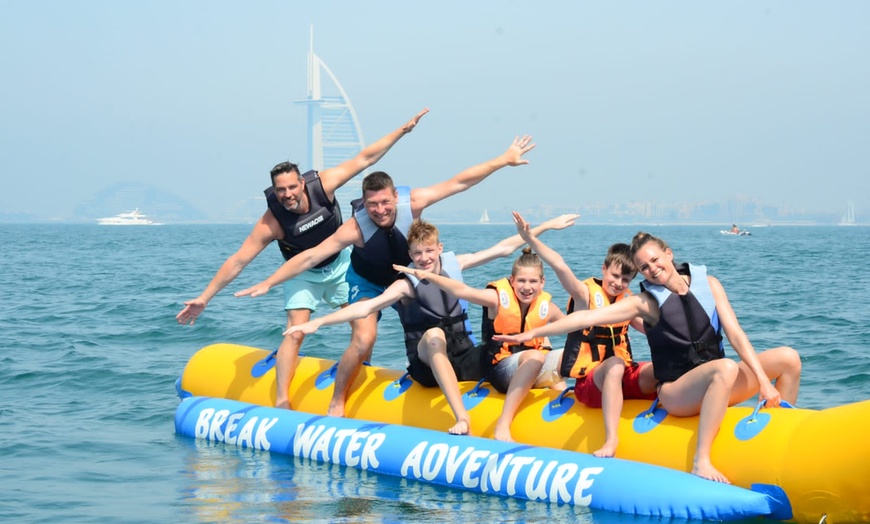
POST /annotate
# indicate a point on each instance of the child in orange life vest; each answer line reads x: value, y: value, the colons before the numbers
x: 510, y: 305
x: 599, y: 357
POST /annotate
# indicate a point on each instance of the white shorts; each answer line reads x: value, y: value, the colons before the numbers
x: 501, y: 375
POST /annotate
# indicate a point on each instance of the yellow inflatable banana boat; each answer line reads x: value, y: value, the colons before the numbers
x: 819, y: 458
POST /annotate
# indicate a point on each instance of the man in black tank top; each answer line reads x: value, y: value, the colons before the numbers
x: 379, y: 211
x: 301, y: 212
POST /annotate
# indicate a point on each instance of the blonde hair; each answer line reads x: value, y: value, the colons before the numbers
x: 527, y: 259
x: 421, y: 232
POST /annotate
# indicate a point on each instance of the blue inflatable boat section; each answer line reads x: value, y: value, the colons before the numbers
x: 471, y: 463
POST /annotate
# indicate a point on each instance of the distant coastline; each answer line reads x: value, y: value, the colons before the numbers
x: 447, y: 222
x: 170, y: 209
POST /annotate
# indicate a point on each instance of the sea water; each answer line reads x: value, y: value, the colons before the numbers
x: 91, y: 351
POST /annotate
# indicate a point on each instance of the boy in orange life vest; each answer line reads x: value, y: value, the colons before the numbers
x: 599, y: 357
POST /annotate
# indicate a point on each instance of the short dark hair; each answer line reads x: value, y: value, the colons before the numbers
x: 620, y: 253
x: 283, y: 167
x: 377, y: 181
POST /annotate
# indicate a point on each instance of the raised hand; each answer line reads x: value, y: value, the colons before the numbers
x: 407, y: 128
x: 562, y: 221
x: 520, y: 146
x: 523, y: 228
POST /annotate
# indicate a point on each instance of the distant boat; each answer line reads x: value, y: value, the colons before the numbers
x: 132, y: 218
x: 849, y: 217
x: 484, y: 219
x: 736, y: 231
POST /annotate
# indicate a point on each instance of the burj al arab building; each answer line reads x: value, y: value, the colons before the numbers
x: 334, y: 133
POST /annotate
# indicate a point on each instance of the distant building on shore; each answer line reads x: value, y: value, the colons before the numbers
x: 334, y: 133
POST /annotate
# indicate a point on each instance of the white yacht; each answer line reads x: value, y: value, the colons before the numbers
x: 132, y: 218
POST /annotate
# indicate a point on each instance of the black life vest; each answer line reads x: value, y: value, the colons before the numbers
x: 434, y: 307
x: 383, y: 247
x: 688, y: 331
x: 304, y: 231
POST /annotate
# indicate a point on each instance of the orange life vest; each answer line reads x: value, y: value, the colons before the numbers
x: 586, y: 348
x: 509, y: 320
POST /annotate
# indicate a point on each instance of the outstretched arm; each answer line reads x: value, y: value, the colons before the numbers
x: 424, y: 197
x: 511, y: 244
x: 395, y: 292
x: 574, y: 286
x: 262, y: 234
x: 343, y: 237
x: 482, y: 297
x: 335, y: 177
x: 615, y: 313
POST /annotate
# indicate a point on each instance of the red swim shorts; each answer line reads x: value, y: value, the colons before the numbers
x: 588, y: 393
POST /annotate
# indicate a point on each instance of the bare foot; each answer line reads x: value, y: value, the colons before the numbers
x: 462, y: 427
x: 707, y: 471
x: 607, y: 450
x: 503, y: 432
x: 335, y: 410
x: 282, y: 403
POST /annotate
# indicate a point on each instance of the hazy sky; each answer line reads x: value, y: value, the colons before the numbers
x: 659, y: 101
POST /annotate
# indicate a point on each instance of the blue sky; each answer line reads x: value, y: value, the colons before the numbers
x: 659, y: 101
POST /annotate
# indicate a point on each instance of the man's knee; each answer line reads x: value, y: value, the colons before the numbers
x: 292, y: 341
x: 363, y: 336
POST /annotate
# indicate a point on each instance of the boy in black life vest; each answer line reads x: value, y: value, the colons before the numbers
x: 599, y: 357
